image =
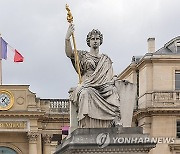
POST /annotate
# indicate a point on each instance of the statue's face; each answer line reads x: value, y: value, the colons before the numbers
x: 95, y: 41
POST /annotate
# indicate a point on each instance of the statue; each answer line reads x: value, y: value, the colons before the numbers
x: 96, y: 96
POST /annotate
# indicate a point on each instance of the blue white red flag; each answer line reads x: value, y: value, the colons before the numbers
x: 4, y: 46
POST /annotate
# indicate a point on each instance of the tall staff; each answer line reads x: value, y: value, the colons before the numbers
x: 70, y: 20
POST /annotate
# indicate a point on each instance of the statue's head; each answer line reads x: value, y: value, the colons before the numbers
x: 96, y: 33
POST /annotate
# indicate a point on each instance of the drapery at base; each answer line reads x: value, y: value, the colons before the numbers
x: 127, y: 94
x: 88, y: 122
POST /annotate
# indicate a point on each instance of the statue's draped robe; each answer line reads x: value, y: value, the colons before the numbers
x: 97, y: 97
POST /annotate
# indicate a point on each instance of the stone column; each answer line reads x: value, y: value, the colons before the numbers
x: 32, y: 137
x: 53, y: 146
x: 47, y: 143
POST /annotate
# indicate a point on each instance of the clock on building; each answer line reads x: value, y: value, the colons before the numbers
x: 6, y: 100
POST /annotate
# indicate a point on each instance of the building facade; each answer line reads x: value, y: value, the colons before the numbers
x: 30, y: 125
x: 157, y: 110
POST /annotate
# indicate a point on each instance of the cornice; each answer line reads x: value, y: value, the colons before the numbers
x: 21, y: 113
x: 112, y: 150
x: 132, y: 67
x: 158, y: 111
x: 34, y: 114
x: 56, y: 118
x: 149, y: 58
x: 15, y: 86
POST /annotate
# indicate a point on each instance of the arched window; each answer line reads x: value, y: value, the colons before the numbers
x: 6, y: 150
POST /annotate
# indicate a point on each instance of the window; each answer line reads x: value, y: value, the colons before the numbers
x: 178, y: 46
x: 178, y: 129
x: 7, y: 150
x: 177, y: 80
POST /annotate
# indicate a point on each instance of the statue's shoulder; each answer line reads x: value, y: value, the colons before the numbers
x: 82, y: 52
x: 106, y: 56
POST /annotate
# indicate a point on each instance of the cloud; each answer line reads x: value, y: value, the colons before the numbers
x: 38, y: 28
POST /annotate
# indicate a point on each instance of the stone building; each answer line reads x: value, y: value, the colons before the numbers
x: 30, y: 125
x: 157, y: 110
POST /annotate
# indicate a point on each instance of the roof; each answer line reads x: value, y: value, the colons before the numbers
x: 136, y: 59
x: 172, y: 41
x: 163, y: 51
x: 170, y: 47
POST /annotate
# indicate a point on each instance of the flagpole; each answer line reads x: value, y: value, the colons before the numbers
x: 0, y: 61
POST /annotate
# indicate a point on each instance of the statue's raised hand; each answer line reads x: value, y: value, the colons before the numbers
x: 70, y: 31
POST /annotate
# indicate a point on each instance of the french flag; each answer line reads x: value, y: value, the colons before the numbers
x: 3, y: 51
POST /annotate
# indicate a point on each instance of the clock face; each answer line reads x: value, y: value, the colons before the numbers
x: 6, y: 100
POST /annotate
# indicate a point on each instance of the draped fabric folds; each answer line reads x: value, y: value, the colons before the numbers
x: 97, y: 97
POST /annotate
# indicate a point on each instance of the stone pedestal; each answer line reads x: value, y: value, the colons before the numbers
x: 106, y: 140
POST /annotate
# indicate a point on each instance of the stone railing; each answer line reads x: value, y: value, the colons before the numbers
x: 57, y: 105
x: 163, y: 96
x: 160, y: 99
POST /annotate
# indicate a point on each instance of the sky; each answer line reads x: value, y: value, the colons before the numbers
x: 37, y: 29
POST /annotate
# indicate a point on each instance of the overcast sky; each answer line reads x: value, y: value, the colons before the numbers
x: 37, y: 28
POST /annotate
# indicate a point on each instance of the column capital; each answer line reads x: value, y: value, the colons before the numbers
x: 47, y: 138
x: 32, y: 136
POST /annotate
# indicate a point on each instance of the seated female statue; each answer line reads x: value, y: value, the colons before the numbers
x: 96, y: 97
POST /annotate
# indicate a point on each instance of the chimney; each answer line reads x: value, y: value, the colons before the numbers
x: 151, y: 45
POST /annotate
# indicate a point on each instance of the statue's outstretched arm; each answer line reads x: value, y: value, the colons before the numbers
x: 68, y: 47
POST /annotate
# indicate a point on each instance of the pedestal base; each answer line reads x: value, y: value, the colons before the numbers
x: 106, y: 140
